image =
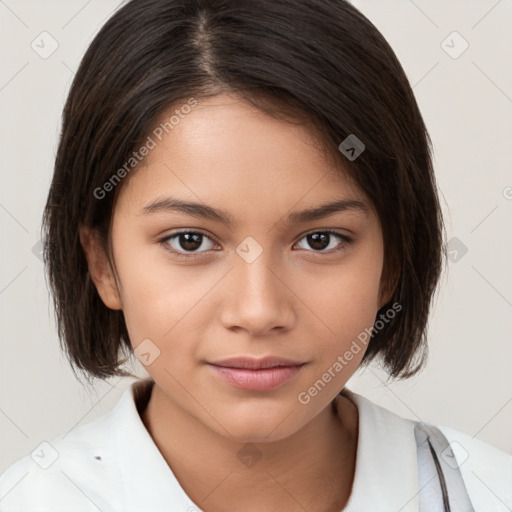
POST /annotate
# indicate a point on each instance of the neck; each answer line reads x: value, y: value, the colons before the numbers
x: 312, y: 469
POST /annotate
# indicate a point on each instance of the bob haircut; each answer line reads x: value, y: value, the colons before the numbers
x: 319, y: 62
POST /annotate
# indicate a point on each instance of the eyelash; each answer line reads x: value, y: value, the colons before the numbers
x: 345, y: 241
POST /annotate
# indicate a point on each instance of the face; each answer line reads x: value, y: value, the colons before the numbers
x: 196, y: 289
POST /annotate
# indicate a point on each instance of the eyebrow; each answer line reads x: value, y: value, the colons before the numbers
x: 203, y: 211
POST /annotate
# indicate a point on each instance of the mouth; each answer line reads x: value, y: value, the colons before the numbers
x: 256, y: 374
x: 253, y: 363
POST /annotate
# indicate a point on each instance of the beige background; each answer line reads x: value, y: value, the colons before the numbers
x: 467, y: 105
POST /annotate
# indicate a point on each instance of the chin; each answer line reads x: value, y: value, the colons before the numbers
x: 259, y: 425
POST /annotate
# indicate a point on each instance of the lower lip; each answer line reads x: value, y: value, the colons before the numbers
x: 257, y: 380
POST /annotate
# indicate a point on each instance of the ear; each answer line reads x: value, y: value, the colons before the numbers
x: 387, y: 287
x: 99, y: 268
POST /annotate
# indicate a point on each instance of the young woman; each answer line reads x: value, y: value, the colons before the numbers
x: 244, y: 198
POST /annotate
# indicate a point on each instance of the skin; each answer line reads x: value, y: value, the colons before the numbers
x: 293, y: 301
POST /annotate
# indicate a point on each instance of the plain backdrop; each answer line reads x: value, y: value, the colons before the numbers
x: 457, y: 57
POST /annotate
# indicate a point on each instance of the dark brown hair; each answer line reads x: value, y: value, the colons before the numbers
x: 321, y: 60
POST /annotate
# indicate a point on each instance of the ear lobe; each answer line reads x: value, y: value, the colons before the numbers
x: 99, y: 268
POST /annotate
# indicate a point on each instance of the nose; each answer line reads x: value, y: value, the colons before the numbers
x: 257, y: 297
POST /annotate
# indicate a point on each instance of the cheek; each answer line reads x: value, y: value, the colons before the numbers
x: 346, y: 302
x: 348, y: 292
x: 349, y: 317
x: 161, y: 299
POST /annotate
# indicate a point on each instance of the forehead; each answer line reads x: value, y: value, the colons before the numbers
x: 228, y: 153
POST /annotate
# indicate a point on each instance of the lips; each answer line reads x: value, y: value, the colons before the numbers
x: 251, y: 363
x: 253, y: 374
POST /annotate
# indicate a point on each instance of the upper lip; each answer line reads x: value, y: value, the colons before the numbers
x: 252, y: 363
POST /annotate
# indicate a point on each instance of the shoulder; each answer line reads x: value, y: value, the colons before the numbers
x: 486, y: 470
x: 68, y: 472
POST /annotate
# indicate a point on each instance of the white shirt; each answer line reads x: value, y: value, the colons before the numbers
x: 112, y: 464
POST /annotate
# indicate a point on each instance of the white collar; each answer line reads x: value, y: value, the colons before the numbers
x: 386, y: 459
x: 386, y: 475
x: 149, y: 483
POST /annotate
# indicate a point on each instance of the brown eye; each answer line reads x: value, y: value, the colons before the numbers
x: 184, y: 242
x: 325, y: 241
